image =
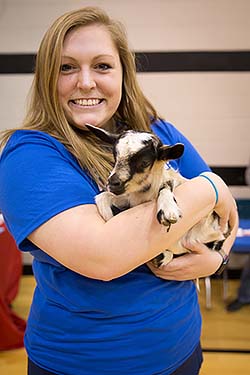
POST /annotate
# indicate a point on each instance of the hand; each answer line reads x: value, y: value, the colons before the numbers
x: 201, y: 262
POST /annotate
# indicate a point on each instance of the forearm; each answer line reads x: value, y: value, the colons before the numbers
x: 145, y: 238
x: 139, y: 226
x: 82, y: 241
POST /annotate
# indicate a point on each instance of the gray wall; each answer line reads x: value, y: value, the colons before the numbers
x: 211, y: 108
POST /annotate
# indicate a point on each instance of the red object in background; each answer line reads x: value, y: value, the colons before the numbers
x: 12, y: 327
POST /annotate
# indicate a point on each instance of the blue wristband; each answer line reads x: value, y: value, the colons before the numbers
x: 212, y: 183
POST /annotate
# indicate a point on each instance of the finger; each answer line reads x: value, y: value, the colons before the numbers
x: 224, y: 223
x: 195, y: 247
x: 166, y: 269
x: 177, y: 264
x: 233, y: 219
x: 158, y: 272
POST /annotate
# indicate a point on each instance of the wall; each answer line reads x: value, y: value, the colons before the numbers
x: 210, y: 107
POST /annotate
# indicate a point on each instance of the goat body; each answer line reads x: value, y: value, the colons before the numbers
x: 140, y: 175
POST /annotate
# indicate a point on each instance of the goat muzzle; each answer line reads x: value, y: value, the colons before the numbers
x: 115, y: 185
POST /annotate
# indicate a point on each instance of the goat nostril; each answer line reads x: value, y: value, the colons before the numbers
x: 114, y: 181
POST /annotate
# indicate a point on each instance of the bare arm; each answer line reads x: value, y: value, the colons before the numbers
x: 79, y: 239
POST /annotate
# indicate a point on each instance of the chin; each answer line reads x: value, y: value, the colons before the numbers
x: 94, y: 119
x: 81, y: 123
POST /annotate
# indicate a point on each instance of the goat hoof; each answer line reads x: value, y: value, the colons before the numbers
x: 166, y: 221
x: 162, y: 259
x: 158, y: 260
x: 162, y: 218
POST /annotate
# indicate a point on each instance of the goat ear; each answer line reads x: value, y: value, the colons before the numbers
x: 102, y: 134
x: 166, y: 152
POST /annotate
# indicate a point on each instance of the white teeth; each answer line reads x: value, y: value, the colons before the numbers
x: 87, y: 102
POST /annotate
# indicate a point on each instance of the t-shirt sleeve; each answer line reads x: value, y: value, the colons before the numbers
x: 190, y: 164
x: 40, y: 180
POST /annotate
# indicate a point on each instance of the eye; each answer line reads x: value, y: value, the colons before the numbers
x: 65, y: 68
x: 103, y: 67
x: 142, y: 164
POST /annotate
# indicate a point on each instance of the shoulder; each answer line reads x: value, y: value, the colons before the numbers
x: 23, y: 137
x: 35, y: 154
x: 191, y: 163
x: 32, y: 147
x: 166, y: 131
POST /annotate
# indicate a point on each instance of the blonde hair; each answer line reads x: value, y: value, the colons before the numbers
x: 45, y: 113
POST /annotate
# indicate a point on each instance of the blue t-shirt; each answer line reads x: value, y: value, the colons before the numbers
x: 136, y: 324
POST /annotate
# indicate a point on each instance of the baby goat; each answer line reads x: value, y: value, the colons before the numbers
x: 140, y: 175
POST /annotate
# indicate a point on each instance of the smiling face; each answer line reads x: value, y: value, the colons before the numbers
x: 90, y: 79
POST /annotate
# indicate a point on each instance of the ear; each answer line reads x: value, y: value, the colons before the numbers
x: 170, y: 152
x: 102, y: 134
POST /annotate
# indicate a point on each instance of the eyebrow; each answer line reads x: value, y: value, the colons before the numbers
x: 104, y: 55
x: 95, y: 57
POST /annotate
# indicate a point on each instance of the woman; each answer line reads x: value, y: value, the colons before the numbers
x: 98, y: 308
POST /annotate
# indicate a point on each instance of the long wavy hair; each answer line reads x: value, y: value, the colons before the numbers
x: 45, y: 113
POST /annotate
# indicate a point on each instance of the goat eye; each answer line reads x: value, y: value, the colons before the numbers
x: 142, y: 164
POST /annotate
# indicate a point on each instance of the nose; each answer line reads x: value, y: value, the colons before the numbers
x: 85, y: 80
x: 115, y: 185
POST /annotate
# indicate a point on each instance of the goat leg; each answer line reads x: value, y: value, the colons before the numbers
x: 104, y: 202
x: 168, y: 211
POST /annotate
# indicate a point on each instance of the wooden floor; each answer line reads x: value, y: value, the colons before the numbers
x: 225, y: 336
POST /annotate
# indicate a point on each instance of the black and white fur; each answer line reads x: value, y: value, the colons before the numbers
x: 140, y: 175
